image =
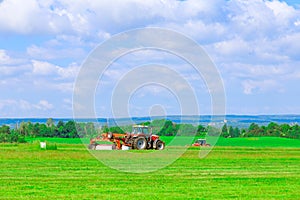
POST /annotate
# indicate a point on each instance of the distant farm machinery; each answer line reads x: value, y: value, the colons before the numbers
x: 140, y: 138
x: 201, y: 143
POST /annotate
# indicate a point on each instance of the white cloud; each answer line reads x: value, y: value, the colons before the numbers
x: 43, y: 68
x: 53, y: 86
x: 282, y: 11
x: 152, y: 90
x: 252, y: 42
x: 44, y: 105
x: 46, y: 68
x: 7, y: 70
x: 68, y: 72
x: 57, y: 52
x: 86, y: 17
x: 242, y: 70
x: 252, y: 19
x: 7, y: 102
x: 114, y: 74
x: 4, y: 58
x: 24, y: 105
x: 234, y: 47
x: 253, y: 86
x: 15, y: 16
x: 297, y: 23
x: 289, y: 45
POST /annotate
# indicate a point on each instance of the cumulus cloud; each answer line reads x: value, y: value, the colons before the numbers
x: 10, y: 66
x: 21, y: 108
x: 234, y: 47
x: 250, y: 86
x: 50, y: 53
x: 8, y: 60
x: 43, y: 68
x: 44, y: 105
x: 242, y: 70
x: 24, y: 105
x: 68, y: 72
x: 86, y: 17
x: 3, y: 56
x: 284, y: 14
x: 13, y: 70
x: 46, y: 68
x: 30, y: 17
x: 254, y: 43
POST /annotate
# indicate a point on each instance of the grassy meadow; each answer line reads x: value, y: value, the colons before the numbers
x: 241, y: 168
x: 234, y: 142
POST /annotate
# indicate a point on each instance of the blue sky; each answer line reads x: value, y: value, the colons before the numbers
x: 255, y: 46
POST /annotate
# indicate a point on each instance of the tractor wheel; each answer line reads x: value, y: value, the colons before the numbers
x: 140, y: 143
x: 160, y: 145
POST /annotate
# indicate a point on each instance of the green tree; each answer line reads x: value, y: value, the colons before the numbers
x: 187, y: 130
x: 253, y: 130
x: 166, y: 128
x: 105, y: 129
x: 52, y: 128
x: 225, y: 132
x: 231, y: 131
x: 70, y: 130
x: 236, y: 132
x: 145, y: 123
x: 213, y: 131
x: 201, y: 131
x: 116, y: 129
x: 36, y: 130
x: 263, y: 131
x: 285, y: 128
x: 91, y: 129
x: 273, y: 129
x: 50, y: 122
x: 4, y: 129
x: 60, y: 124
x: 294, y: 132
x: 243, y: 132
x: 30, y: 129
x: 10, y: 135
x: 157, y: 125
x: 44, y: 130
x: 60, y: 127
x: 23, y: 128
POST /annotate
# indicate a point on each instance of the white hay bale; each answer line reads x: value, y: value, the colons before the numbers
x: 43, y: 145
x: 104, y: 147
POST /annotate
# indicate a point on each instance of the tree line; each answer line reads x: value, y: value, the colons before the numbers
x: 72, y: 129
x: 169, y: 128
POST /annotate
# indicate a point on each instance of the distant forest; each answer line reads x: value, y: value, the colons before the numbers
x: 72, y: 129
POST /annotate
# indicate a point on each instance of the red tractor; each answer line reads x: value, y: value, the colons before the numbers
x: 140, y: 138
x: 201, y: 142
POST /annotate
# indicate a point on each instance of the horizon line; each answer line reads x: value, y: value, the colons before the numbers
x: 150, y: 116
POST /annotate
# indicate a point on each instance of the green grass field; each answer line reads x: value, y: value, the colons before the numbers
x: 234, y: 142
x: 242, y: 168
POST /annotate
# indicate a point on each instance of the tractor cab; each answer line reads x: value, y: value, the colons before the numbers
x: 140, y: 129
x: 201, y: 142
